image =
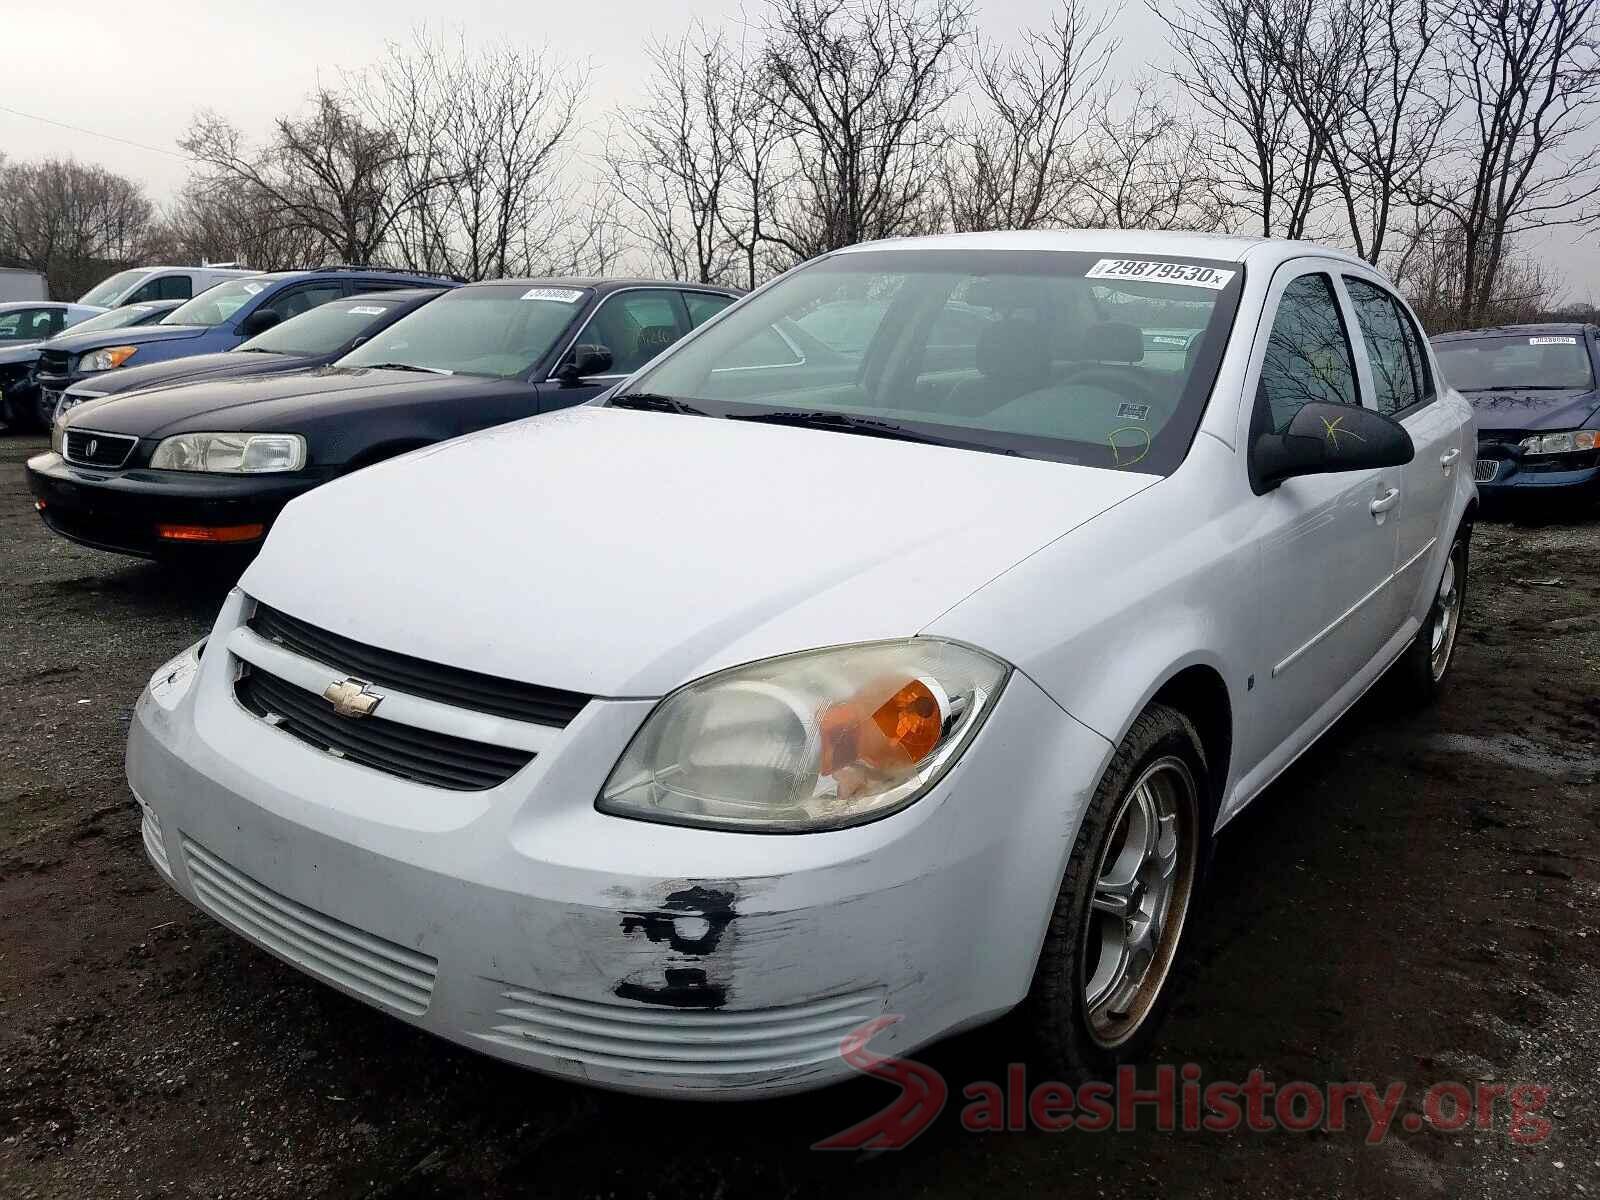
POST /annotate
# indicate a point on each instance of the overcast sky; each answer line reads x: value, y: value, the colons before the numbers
x: 139, y: 71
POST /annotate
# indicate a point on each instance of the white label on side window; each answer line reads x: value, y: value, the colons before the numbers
x: 1149, y: 271
x: 560, y: 295
x: 1553, y: 341
x: 369, y: 310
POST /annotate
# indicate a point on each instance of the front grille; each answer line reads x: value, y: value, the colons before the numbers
x: 436, y: 759
x: 53, y: 362
x: 419, y: 677
x: 90, y: 449
x: 671, y: 1041
x: 381, y: 971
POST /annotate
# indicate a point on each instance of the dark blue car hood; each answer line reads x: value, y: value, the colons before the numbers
x: 137, y: 335
x: 1530, y: 408
x: 188, y: 370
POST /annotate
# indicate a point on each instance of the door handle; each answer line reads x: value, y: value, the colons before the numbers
x: 1384, y: 502
x: 1448, y: 459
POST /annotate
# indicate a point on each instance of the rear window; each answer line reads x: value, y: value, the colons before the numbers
x: 1504, y: 362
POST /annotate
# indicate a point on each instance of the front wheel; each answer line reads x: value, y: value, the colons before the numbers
x: 1427, y: 660
x: 1104, y: 973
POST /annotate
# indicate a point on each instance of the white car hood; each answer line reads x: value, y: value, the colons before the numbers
x: 623, y: 553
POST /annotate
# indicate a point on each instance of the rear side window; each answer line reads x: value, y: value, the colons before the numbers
x: 635, y: 326
x: 1308, y: 353
x: 174, y: 287
x: 1399, y: 368
x: 703, y: 306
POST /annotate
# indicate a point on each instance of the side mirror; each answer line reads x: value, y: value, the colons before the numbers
x: 259, y: 321
x: 1324, y: 438
x: 585, y: 361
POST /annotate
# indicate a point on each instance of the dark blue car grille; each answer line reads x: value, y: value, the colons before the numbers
x: 90, y: 449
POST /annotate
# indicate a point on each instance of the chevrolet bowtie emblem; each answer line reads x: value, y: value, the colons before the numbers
x: 352, y: 698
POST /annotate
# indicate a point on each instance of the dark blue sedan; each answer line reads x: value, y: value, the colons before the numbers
x: 219, y: 318
x: 1533, y: 390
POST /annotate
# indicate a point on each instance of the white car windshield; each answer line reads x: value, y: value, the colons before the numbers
x: 1091, y: 358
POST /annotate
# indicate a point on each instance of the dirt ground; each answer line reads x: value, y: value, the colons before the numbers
x: 1417, y: 901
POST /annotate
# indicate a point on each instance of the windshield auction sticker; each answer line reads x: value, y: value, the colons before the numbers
x: 369, y: 310
x: 1552, y: 341
x: 1149, y: 271
x: 563, y: 295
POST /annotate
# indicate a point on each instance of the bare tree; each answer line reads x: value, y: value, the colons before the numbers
x: 675, y: 158
x: 484, y: 139
x: 1151, y: 169
x: 71, y: 221
x: 329, y: 171
x: 1531, y: 73
x: 237, y: 224
x: 1386, y: 117
x: 860, y: 85
x: 1234, y: 64
x: 1015, y: 166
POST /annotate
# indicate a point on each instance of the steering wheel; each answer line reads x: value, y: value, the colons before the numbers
x: 1113, y: 379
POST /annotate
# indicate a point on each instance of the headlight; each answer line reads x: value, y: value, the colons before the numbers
x: 233, y: 453
x: 68, y: 402
x: 104, y: 360
x: 809, y: 741
x: 1561, y: 443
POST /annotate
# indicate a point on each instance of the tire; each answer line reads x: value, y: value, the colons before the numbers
x: 1090, y: 1007
x: 1420, y: 672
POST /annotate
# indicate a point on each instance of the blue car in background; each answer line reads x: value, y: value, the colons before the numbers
x: 219, y: 318
x: 1536, y: 399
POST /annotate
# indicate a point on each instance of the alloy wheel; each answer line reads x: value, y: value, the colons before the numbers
x: 1143, y: 885
x: 1444, y: 619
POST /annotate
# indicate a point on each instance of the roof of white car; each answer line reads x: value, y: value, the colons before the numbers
x: 1225, y: 246
x: 88, y: 310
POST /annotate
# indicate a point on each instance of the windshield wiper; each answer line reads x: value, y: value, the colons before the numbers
x: 844, y: 423
x: 257, y: 350
x: 654, y: 402
x: 407, y: 367
x: 1528, y: 387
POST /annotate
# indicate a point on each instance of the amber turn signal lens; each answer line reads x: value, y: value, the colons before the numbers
x: 911, y: 720
x: 903, y: 730
x: 210, y: 533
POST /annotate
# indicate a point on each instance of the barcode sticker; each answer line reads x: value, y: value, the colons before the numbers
x: 369, y: 310
x: 1150, y: 271
x: 560, y: 295
x: 1552, y: 341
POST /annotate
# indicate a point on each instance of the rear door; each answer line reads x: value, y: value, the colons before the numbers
x: 1327, y: 542
x: 1403, y: 387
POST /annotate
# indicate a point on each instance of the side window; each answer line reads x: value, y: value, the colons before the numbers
x: 291, y: 302
x: 635, y: 326
x: 149, y: 290
x: 174, y: 287
x: 1395, y: 367
x: 703, y: 306
x: 1308, y: 353
x: 1416, y: 348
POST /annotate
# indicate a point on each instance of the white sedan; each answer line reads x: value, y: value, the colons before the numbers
x: 661, y: 743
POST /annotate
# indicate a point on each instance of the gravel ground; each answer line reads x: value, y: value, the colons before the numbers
x: 1417, y: 901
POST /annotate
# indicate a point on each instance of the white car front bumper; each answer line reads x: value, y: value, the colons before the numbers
x: 650, y: 958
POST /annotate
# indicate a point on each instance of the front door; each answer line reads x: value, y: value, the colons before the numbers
x: 1326, y: 542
